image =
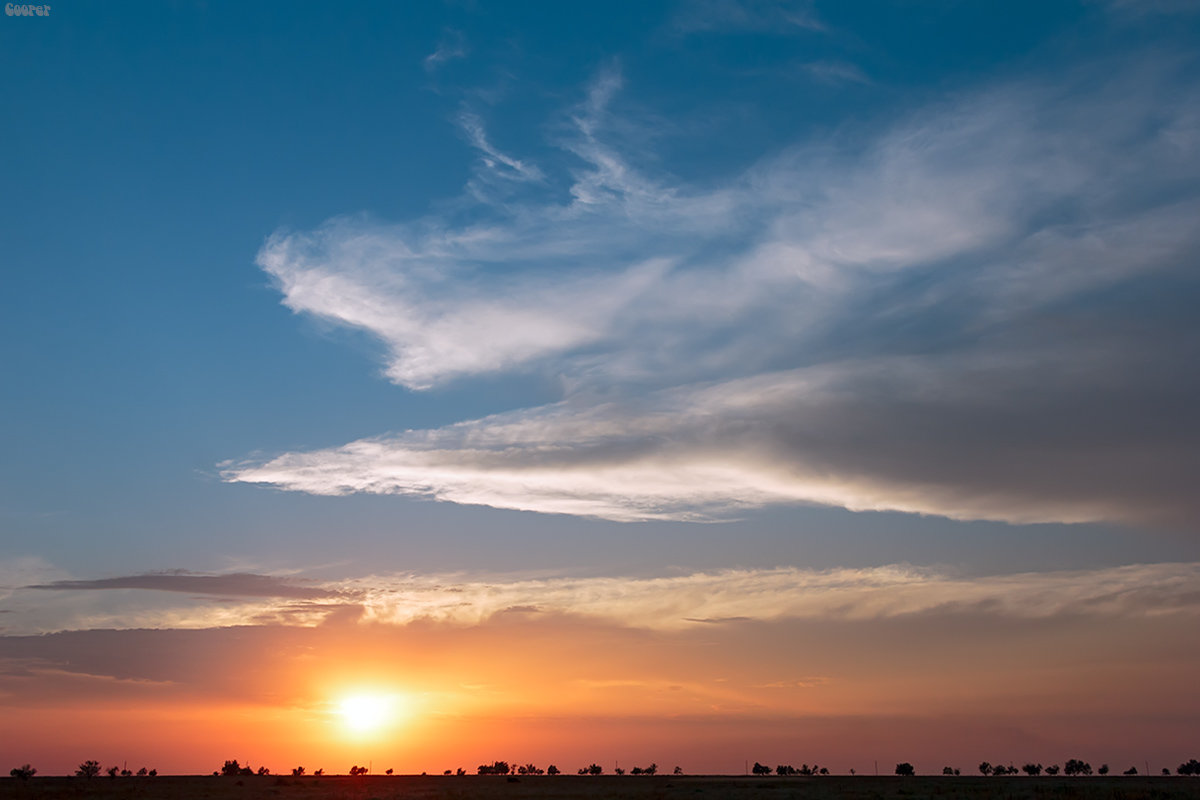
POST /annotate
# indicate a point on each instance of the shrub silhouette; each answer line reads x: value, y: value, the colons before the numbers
x: 1103, y: 770
x: 1189, y: 767
x: 1052, y: 769
x: 112, y: 771
x: 1077, y: 767
x: 1130, y: 771
x: 297, y: 772
x: 551, y: 770
x: 985, y: 767
x: 23, y: 772
x: 905, y: 768
x: 760, y: 769
x: 88, y: 769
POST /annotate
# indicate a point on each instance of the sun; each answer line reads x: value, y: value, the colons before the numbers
x: 367, y: 713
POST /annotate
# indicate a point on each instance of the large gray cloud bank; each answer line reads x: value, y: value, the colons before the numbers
x: 986, y: 310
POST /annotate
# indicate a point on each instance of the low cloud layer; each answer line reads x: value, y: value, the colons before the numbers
x: 981, y: 311
x: 663, y: 603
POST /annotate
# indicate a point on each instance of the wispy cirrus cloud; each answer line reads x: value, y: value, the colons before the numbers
x: 452, y: 46
x: 927, y: 319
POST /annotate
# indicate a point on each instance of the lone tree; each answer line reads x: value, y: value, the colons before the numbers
x: 905, y: 768
x: 760, y: 769
x: 23, y: 772
x: 231, y: 767
x: 1032, y: 769
x: 985, y: 767
x: 297, y: 772
x: 551, y: 770
x: 1075, y: 766
x: 1103, y: 769
x: 88, y: 769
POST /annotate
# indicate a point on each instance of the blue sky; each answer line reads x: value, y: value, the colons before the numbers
x: 931, y: 262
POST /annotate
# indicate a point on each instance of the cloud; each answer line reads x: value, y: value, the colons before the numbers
x: 675, y: 602
x: 934, y: 317
x: 238, y: 584
x: 496, y: 162
x: 451, y: 47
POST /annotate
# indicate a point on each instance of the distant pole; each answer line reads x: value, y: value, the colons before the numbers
x: 1147, y: 763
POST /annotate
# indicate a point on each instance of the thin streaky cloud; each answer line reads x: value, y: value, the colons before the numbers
x: 231, y: 584
x: 497, y: 162
x: 451, y: 47
x: 679, y: 602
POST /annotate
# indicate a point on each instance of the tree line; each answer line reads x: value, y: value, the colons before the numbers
x: 1072, y: 767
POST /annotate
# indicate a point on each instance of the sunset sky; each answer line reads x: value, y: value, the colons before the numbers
x: 701, y: 383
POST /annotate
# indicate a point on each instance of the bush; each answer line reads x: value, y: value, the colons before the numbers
x: 23, y: 772
x: 905, y: 768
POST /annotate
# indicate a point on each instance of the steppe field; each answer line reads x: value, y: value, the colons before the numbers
x: 378, y: 787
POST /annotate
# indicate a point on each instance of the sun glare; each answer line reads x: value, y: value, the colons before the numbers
x: 367, y: 713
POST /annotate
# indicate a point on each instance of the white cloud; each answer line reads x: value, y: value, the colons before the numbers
x: 497, y: 162
x: 451, y: 47
x: 900, y: 322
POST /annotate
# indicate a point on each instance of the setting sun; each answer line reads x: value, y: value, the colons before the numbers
x: 367, y: 713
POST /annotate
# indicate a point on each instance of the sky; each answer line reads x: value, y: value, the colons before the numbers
x: 694, y: 383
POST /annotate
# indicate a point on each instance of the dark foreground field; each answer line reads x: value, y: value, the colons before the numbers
x: 659, y: 787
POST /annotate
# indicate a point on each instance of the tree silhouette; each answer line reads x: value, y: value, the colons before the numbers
x: 389, y: 771
x: 1130, y: 771
x: 297, y: 772
x: 551, y: 770
x: 1032, y: 769
x: 985, y: 767
x: 231, y: 767
x: 88, y: 769
x: 1103, y: 769
x: 319, y: 772
x: 112, y: 771
x: 23, y: 772
x: 356, y: 770
x: 1052, y: 769
x: 905, y: 768
x: 1075, y: 766
x: 264, y: 771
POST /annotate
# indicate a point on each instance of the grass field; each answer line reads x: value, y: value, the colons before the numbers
x: 661, y: 787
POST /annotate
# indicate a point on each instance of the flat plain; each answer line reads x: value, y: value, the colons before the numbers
x: 604, y: 787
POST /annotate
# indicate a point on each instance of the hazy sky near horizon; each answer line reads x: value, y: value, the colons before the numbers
x: 457, y: 352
